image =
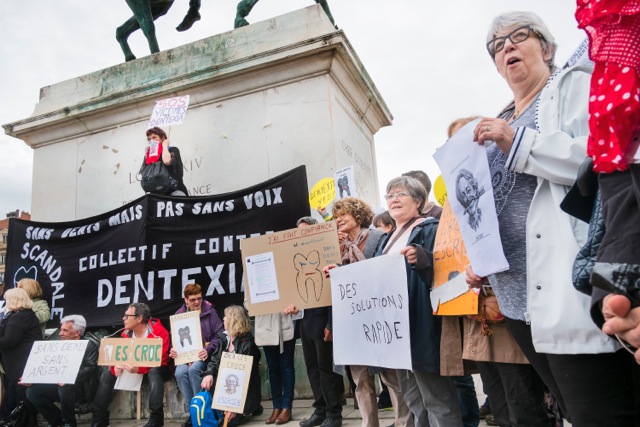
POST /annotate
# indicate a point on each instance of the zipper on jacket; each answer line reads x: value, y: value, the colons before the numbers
x: 526, y: 318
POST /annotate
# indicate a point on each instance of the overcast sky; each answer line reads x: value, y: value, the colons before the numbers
x: 427, y: 59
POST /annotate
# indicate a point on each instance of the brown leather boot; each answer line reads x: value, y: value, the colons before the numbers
x: 284, y: 416
x: 274, y: 416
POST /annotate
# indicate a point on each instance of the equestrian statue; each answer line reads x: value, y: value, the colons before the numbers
x: 145, y: 12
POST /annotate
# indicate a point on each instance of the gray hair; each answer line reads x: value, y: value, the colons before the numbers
x: 141, y: 309
x: 415, y: 188
x: 78, y: 321
x: 503, y: 22
x: 306, y: 220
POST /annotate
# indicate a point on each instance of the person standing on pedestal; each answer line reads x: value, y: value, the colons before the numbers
x: 159, y: 150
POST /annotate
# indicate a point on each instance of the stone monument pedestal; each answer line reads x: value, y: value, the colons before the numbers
x: 264, y: 98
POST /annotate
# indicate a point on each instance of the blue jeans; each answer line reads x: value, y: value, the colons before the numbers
x: 189, y: 379
x: 281, y: 373
x: 466, y: 391
x: 43, y: 396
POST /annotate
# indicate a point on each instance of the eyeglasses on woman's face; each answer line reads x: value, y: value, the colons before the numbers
x: 516, y: 36
x: 396, y: 195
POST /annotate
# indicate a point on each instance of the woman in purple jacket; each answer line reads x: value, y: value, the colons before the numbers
x: 188, y: 376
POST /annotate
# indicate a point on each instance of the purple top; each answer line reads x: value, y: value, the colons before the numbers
x: 210, y: 324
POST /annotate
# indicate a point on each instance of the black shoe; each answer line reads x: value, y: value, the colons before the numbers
x: 490, y: 420
x: 258, y: 411
x: 312, y: 421
x: 331, y: 422
x: 154, y: 423
x: 100, y: 423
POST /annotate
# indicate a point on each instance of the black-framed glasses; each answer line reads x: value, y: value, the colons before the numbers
x: 516, y: 36
x: 126, y: 316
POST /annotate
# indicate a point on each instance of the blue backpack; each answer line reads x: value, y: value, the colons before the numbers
x: 202, y: 414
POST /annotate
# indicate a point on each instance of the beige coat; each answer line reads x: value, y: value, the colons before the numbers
x: 273, y: 329
x: 457, y: 354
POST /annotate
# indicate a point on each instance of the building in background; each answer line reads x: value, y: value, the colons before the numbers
x: 4, y: 232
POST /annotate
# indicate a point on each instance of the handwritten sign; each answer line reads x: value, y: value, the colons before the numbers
x: 169, y: 112
x: 451, y: 294
x: 323, y: 193
x: 371, y: 313
x: 145, y: 352
x: 186, y: 336
x: 288, y: 265
x: 53, y: 362
x: 232, y: 383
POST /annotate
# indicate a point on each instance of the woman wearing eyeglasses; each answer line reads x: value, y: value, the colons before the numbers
x: 423, y: 389
x: 535, y: 147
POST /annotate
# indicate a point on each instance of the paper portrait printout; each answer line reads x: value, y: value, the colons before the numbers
x: 466, y: 174
x: 345, y: 182
x: 233, y: 382
x: 53, y: 362
x: 370, y: 313
x: 186, y: 336
x: 288, y: 264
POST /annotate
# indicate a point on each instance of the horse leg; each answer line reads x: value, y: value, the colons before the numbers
x: 122, y: 34
x: 244, y: 8
x: 193, y: 15
x: 325, y: 6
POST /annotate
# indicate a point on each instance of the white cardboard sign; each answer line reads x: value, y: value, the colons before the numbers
x: 169, y: 112
x: 53, y: 362
x: 371, y: 313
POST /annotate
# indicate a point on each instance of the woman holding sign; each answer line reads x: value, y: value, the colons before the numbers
x: 357, y: 242
x: 535, y: 147
x: 237, y: 338
x: 159, y: 150
x: 423, y: 389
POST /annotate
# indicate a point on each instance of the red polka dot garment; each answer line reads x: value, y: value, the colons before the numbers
x: 613, y: 27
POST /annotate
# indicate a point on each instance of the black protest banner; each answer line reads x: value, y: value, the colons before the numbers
x: 149, y: 249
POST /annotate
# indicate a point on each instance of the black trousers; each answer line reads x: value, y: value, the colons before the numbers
x: 516, y: 394
x: 593, y: 390
x: 326, y: 385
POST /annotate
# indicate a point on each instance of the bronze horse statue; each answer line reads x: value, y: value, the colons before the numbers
x: 145, y: 12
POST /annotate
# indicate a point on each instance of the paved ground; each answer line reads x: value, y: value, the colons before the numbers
x: 301, y: 409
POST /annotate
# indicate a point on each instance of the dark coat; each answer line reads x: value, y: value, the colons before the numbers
x: 242, y: 345
x: 210, y: 325
x: 18, y: 331
x: 89, y: 365
x: 425, y: 328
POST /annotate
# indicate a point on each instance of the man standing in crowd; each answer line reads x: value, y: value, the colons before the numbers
x: 137, y: 324
x: 430, y: 209
x: 44, y: 396
x: 189, y: 375
x: 316, y: 334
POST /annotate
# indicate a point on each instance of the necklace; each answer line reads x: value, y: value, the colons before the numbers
x: 515, y: 116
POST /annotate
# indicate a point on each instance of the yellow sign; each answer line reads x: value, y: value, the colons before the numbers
x: 439, y: 190
x: 323, y: 193
x: 145, y: 352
